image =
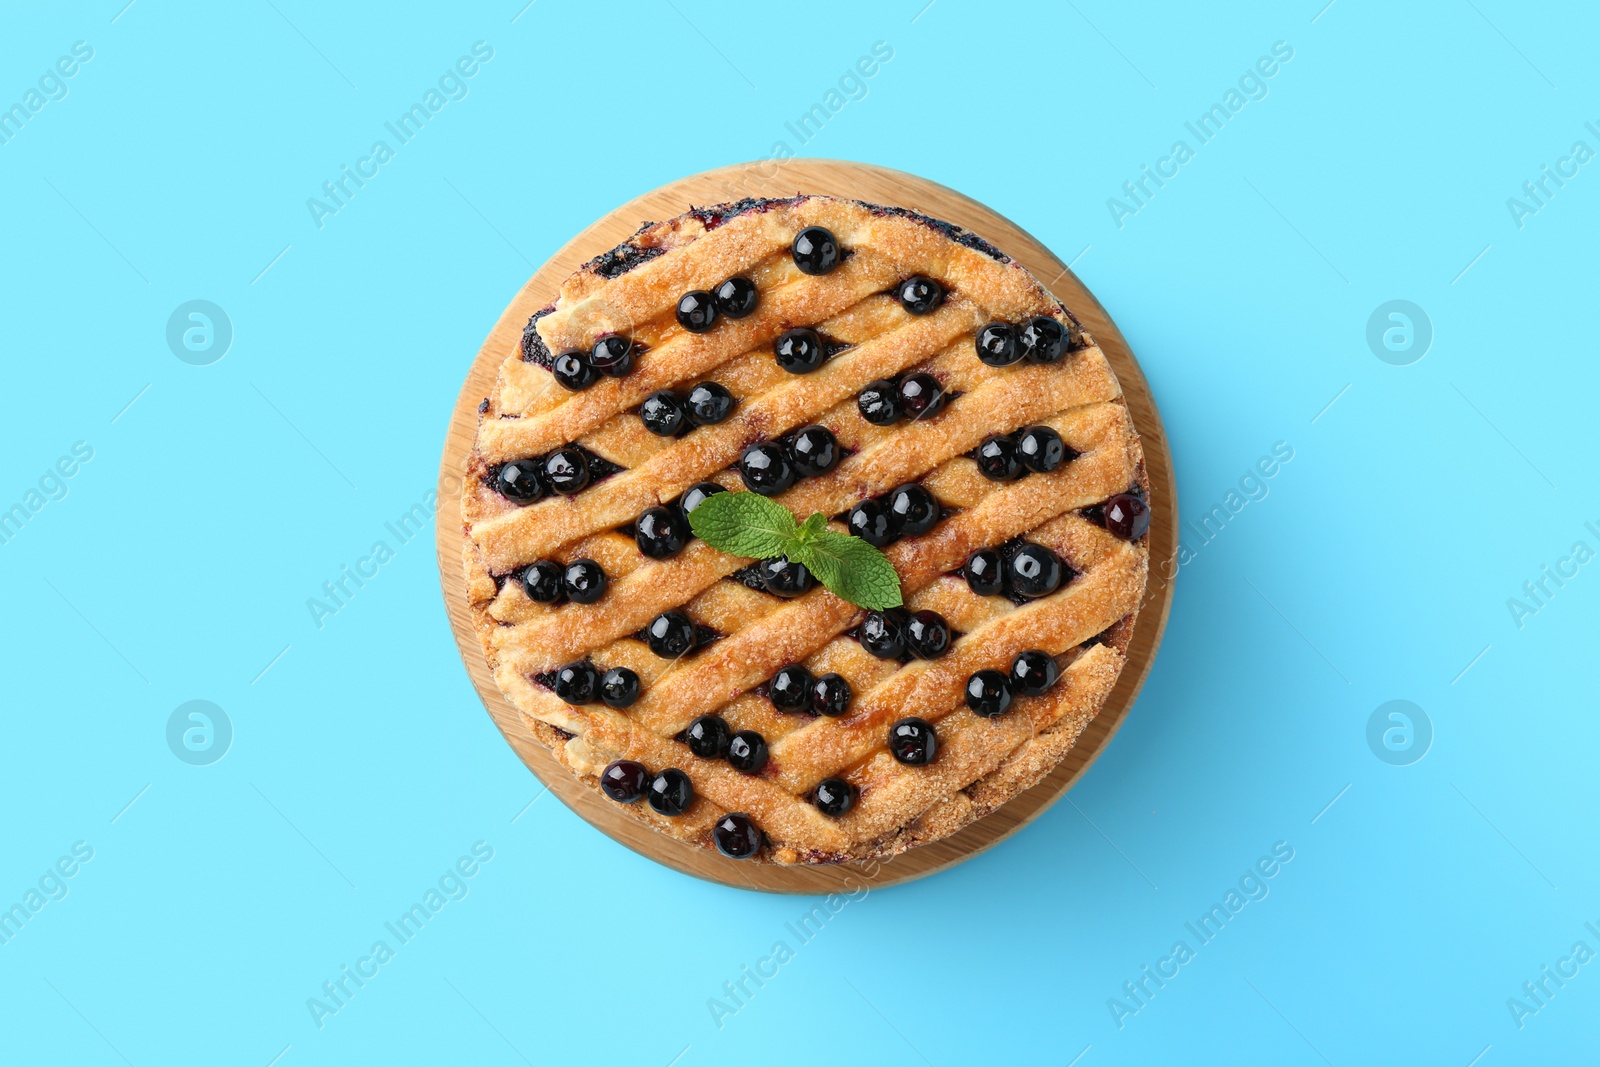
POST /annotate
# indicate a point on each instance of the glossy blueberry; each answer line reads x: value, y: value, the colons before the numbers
x: 707, y: 737
x: 799, y: 351
x: 883, y: 633
x: 619, y: 688
x: 670, y: 634
x: 565, y: 471
x: 1034, y: 571
x: 997, y: 345
x: 988, y: 694
x: 913, y: 742
x: 871, y: 521
x: 612, y: 356
x: 920, y: 396
x: 696, y: 495
x: 766, y: 469
x: 919, y: 295
x: 574, y: 371
x: 879, y: 402
x: 830, y: 695
x: 816, y: 251
x: 914, y: 509
x: 708, y: 404
x: 697, y: 311
x: 814, y: 451
x: 1043, y: 339
x: 661, y: 532
x: 670, y: 792
x: 662, y: 414
x: 998, y: 460
x: 585, y: 581
x: 835, y: 796
x: 784, y: 577
x: 927, y: 635
x: 747, y: 752
x: 737, y: 836
x: 542, y: 582
x: 1127, y: 516
x: 790, y: 689
x: 575, y: 683
x: 1033, y: 673
x: 624, y: 781
x: 518, y: 481
x: 1041, y: 449
x: 985, y: 573
x: 737, y: 297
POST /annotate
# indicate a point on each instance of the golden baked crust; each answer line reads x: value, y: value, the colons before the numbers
x: 633, y: 291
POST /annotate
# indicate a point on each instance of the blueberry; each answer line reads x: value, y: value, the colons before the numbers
x: 1034, y: 672
x: 671, y: 792
x: 998, y: 460
x: 619, y: 688
x: 784, y: 577
x: 766, y: 469
x: 585, y: 581
x: 913, y: 742
x: 914, y: 509
x: 670, y: 634
x: 661, y: 532
x: 709, y: 404
x: 575, y: 683
x: 747, y: 752
x: 662, y: 414
x: 1043, y: 339
x: 871, y: 521
x: 1034, y: 571
x: 879, y: 402
x: 883, y: 633
x: 737, y: 836
x: 790, y: 689
x: 816, y: 251
x: 799, y: 351
x: 830, y: 695
x: 542, y: 582
x: 988, y: 694
x: 1041, y: 449
x: 997, y: 345
x: 920, y: 396
x: 927, y: 635
x: 624, y: 781
x: 612, y: 356
x: 984, y: 572
x: 919, y: 295
x: 1127, y: 516
x: 697, y: 311
x: 814, y: 451
x: 519, y: 481
x: 737, y: 297
x: 565, y: 471
x: 573, y: 370
x: 835, y: 796
x: 708, y: 736
x: 696, y: 495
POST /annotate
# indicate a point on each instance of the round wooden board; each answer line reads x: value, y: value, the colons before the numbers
x: 877, y: 185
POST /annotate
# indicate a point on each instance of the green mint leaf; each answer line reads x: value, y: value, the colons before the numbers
x: 811, y: 527
x: 744, y: 524
x: 851, y: 569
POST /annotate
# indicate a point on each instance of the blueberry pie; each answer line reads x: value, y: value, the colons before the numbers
x: 898, y: 378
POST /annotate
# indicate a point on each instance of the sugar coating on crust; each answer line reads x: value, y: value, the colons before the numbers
x: 633, y: 290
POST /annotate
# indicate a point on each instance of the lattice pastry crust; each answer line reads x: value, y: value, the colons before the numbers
x: 633, y: 291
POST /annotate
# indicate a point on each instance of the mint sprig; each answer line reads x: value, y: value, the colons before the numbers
x: 745, y: 524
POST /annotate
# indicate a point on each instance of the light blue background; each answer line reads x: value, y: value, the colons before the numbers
x: 362, y: 765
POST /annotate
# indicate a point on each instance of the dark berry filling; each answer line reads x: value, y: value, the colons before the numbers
x: 790, y: 689
x: 919, y: 295
x: 709, y: 403
x: 988, y: 694
x: 784, y: 577
x: 1043, y: 340
x: 985, y: 572
x: 737, y: 836
x: 566, y: 470
x: 1041, y: 449
x: 670, y: 792
x: 914, y: 509
x: 575, y: 683
x: 696, y: 495
x: 920, y: 396
x: 800, y: 351
x: 747, y: 752
x: 542, y: 581
x: 697, y: 311
x: 624, y: 781
x: 835, y: 796
x: 998, y: 459
x: 737, y: 297
x: 883, y: 633
x: 671, y: 634
x: 1127, y: 516
x: 519, y: 481
x: 619, y: 688
x: 927, y: 635
x: 708, y: 736
x: 814, y: 451
x: 816, y: 251
x: 997, y: 345
x: 574, y: 371
x: 662, y: 414
x: 879, y: 402
x: 766, y: 468
x: 585, y: 581
x: 1034, y: 571
x: 613, y: 356
x: 831, y: 695
x: 872, y: 522
x: 661, y: 532
x: 1034, y: 672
